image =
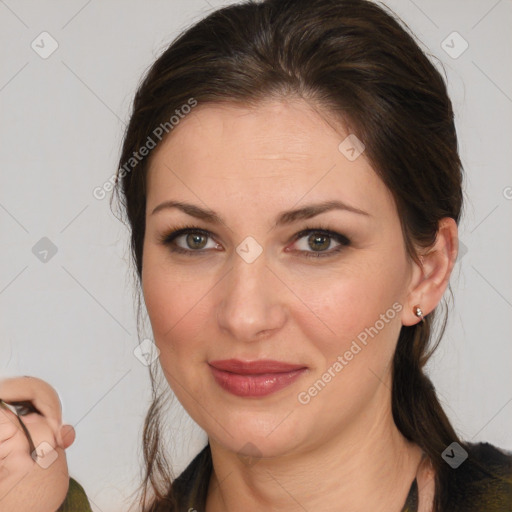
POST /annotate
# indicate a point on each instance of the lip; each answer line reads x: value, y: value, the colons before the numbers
x: 256, y: 367
x: 254, y: 378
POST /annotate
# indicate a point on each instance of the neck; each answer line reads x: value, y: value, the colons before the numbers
x: 369, y: 466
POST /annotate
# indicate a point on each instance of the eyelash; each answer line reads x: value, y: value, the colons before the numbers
x: 168, y: 238
x: 27, y: 405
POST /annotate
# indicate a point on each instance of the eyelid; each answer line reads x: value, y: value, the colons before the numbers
x: 168, y: 237
x: 322, y: 230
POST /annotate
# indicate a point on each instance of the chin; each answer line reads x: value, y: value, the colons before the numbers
x: 255, y: 436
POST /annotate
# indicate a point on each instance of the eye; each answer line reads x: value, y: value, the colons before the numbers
x: 193, y: 240
x: 25, y: 408
x: 319, y: 240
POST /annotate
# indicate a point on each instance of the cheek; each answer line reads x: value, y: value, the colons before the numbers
x: 343, y: 306
x: 179, y: 311
x: 353, y: 313
x: 352, y: 356
x: 179, y: 308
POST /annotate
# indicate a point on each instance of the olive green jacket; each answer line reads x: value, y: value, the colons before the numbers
x: 76, y: 499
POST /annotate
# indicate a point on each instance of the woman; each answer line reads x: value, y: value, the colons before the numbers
x: 313, y: 144
x: 298, y: 345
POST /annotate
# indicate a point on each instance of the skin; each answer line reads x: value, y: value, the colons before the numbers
x: 341, y: 451
x: 24, y: 484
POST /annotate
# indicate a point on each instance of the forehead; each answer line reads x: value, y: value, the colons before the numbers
x: 277, y: 151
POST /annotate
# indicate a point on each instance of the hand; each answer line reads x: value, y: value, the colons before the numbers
x: 29, y: 483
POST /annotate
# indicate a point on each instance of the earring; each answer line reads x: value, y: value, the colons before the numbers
x: 418, y: 312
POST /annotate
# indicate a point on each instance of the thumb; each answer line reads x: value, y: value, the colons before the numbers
x: 66, y: 436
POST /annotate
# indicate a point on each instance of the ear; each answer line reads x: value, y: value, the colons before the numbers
x: 67, y: 433
x: 430, y: 280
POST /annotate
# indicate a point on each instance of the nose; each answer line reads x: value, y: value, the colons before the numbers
x: 252, y: 301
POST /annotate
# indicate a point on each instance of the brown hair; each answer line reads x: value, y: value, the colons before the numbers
x: 357, y: 62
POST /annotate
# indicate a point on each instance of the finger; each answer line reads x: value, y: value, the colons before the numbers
x: 68, y: 435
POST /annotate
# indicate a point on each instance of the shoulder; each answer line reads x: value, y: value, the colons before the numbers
x: 482, y: 482
x: 491, y: 455
x: 76, y: 499
x: 490, y: 463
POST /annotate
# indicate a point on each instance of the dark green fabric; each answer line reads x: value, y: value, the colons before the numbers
x: 76, y: 499
x: 411, y: 502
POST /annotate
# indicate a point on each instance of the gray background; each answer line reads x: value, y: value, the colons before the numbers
x: 70, y: 320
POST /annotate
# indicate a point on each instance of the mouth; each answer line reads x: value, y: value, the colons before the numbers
x: 254, y: 378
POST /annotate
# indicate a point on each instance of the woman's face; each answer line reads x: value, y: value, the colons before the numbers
x: 249, y: 289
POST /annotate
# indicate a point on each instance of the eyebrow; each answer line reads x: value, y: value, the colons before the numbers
x: 283, y: 218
